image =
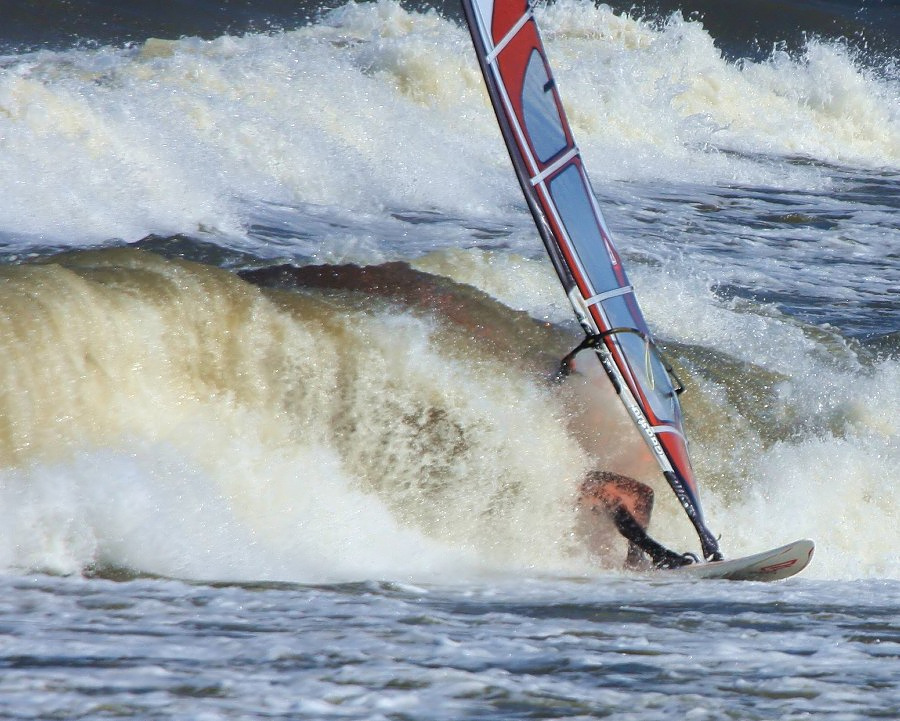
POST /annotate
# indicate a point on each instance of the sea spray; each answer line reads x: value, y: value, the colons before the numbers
x: 790, y: 425
x: 260, y: 435
x: 283, y: 147
x: 184, y: 135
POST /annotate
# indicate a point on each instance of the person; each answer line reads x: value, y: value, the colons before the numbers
x: 629, y: 503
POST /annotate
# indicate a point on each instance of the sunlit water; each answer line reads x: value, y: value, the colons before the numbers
x: 221, y: 499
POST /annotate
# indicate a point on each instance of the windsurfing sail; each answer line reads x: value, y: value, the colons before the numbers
x: 559, y: 195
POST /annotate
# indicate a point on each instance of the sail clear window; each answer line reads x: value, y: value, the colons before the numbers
x: 540, y: 112
x: 643, y: 359
x: 570, y: 195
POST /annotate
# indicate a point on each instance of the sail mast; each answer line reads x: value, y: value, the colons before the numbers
x: 557, y: 190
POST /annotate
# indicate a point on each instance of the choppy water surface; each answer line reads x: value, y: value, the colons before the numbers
x: 229, y: 490
x: 535, y: 648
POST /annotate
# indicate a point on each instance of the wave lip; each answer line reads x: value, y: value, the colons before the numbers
x: 169, y: 418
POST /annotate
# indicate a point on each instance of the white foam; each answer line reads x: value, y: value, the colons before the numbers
x: 169, y: 419
x: 829, y: 476
x: 815, y: 454
x: 178, y: 136
x: 236, y: 515
x: 377, y: 107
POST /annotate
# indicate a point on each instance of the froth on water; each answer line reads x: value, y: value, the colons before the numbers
x: 172, y: 418
x: 344, y: 423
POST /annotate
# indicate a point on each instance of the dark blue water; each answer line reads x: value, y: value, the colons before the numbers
x: 741, y: 28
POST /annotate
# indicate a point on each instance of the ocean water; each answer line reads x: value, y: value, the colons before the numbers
x: 230, y: 492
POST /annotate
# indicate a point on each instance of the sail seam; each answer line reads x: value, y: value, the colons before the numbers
x: 551, y: 169
x: 498, y: 48
x: 667, y: 429
x: 600, y: 297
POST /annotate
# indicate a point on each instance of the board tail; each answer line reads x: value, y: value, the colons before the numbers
x: 774, y: 565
